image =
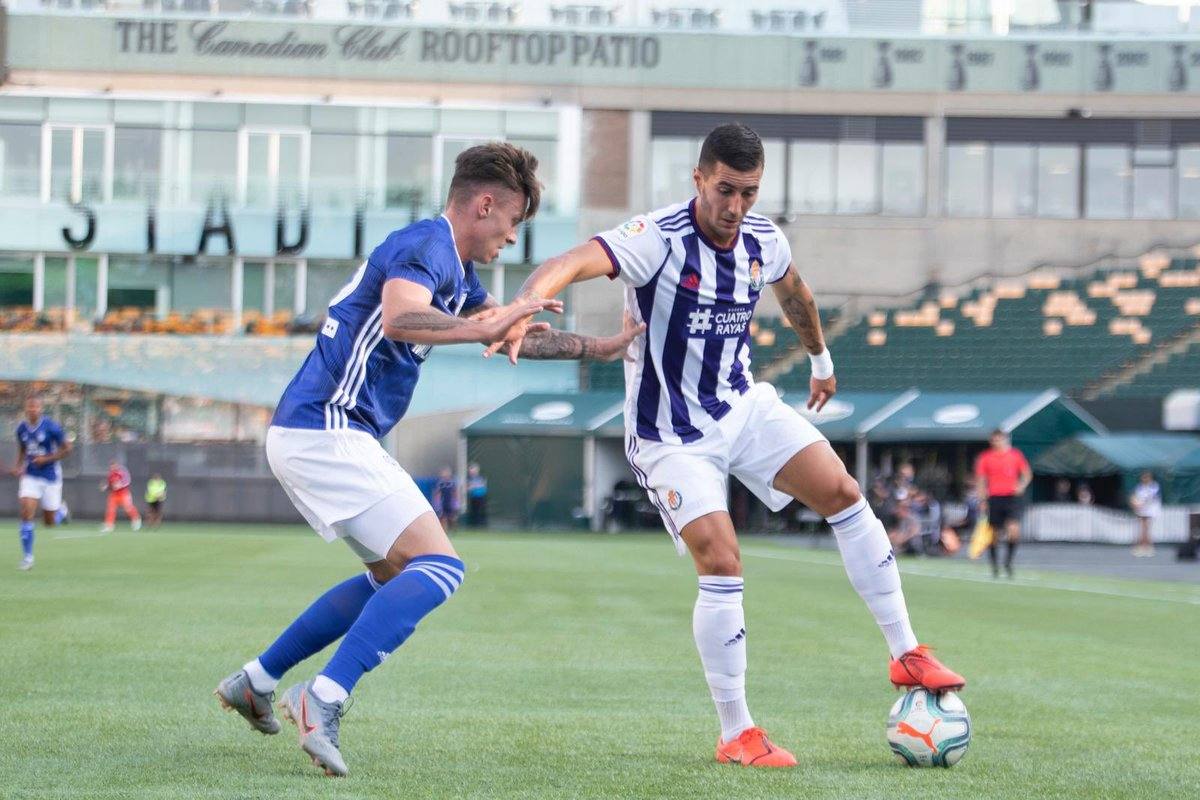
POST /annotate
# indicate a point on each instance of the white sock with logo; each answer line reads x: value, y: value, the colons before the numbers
x: 260, y: 679
x: 328, y: 690
x: 871, y: 567
x: 719, y: 626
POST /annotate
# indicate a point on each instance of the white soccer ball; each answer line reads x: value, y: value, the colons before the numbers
x: 929, y: 730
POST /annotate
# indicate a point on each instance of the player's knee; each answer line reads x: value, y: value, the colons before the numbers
x: 842, y: 494
x: 720, y: 560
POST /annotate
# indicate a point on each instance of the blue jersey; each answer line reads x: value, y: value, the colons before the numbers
x: 355, y: 378
x: 43, y: 439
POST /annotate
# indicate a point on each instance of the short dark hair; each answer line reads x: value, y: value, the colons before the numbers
x: 998, y: 432
x: 735, y: 145
x: 497, y: 164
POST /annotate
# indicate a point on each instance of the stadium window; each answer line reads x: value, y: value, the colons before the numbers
x: 333, y: 170
x: 16, y: 282
x: 322, y: 282
x: 141, y: 283
x: 54, y: 282
x: 78, y: 168
x: 1012, y: 180
x: 966, y: 180
x: 409, y: 171
x: 201, y: 284
x: 857, y: 178
x: 672, y: 160
x: 1152, y: 182
x: 87, y: 284
x: 771, y: 189
x: 20, y: 159
x: 137, y: 156
x: 546, y: 151
x: 1188, y: 166
x: 275, y: 171
x: 810, y: 177
x: 903, y: 179
x: 1058, y: 181
x: 1106, y: 182
x: 214, y: 164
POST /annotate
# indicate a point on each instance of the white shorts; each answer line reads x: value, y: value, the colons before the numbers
x: 752, y: 442
x: 346, y: 486
x: 49, y: 493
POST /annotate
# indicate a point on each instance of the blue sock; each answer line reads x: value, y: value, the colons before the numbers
x: 392, y: 615
x: 27, y: 538
x: 325, y: 621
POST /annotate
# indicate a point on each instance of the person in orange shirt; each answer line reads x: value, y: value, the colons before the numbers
x: 1003, y: 475
x: 117, y: 485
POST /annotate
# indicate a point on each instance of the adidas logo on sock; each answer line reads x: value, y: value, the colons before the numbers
x: 740, y: 635
x: 891, y: 556
x: 382, y: 655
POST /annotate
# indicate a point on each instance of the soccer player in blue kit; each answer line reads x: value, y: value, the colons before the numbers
x: 41, y: 444
x: 416, y: 290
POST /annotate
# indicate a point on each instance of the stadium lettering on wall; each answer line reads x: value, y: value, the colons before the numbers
x: 370, y: 43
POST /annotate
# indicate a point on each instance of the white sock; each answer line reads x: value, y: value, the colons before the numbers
x: 328, y: 690
x: 719, y: 625
x: 871, y: 567
x: 260, y: 679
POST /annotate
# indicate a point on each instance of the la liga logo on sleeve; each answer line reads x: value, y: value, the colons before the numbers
x: 635, y: 227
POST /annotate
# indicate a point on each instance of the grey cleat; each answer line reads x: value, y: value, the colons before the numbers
x: 318, y: 724
x: 236, y: 693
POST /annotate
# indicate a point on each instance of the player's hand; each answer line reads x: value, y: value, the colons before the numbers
x: 820, y: 391
x: 610, y: 348
x: 39, y: 461
x: 506, y: 326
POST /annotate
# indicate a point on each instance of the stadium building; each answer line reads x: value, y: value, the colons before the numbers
x: 985, y: 196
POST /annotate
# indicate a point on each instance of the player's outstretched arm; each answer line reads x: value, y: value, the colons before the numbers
x: 800, y: 308
x: 551, y: 344
x: 409, y: 317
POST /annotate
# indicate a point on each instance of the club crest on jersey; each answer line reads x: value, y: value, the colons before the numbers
x: 635, y: 227
x: 674, y: 499
x: 757, y: 281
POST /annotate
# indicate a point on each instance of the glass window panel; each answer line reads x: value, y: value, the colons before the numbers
x: 543, y: 124
x: 1152, y: 183
x: 770, y: 189
x: 1058, y: 181
x: 258, y: 169
x: 966, y: 180
x: 546, y: 151
x: 71, y: 110
x: 334, y: 119
x: 276, y: 114
x: 1107, y: 182
x: 199, y: 285
x: 60, y: 163
x: 217, y: 116
x: 16, y: 282
x: 87, y: 271
x: 92, y: 179
x: 857, y: 178
x: 137, y: 153
x: 138, y: 283
x: 20, y: 148
x: 1188, y: 166
x: 671, y: 163
x: 54, y: 286
x: 289, y: 189
x: 214, y: 164
x: 325, y: 279
x: 810, y: 177
x: 903, y: 191
x: 334, y: 167
x: 254, y: 286
x: 284, y: 295
x: 1013, y: 167
x: 409, y: 170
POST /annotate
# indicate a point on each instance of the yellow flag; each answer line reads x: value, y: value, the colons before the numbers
x: 981, y: 538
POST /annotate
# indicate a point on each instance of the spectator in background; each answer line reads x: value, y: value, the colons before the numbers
x: 1062, y: 491
x: 156, y: 495
x: 1084, y: 495
x: 445, y: 498
x: 117, y: 485
x: 477, y: 490
x: 1003, y: 475
x: 1146, y: 501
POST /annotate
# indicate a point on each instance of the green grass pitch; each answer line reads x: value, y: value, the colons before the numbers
x: 565, y: 668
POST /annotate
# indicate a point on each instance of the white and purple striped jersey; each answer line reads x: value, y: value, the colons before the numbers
x: 696, y: 300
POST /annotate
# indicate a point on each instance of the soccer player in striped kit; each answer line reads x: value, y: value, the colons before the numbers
x: 416, y: 290
x: 693, y: 273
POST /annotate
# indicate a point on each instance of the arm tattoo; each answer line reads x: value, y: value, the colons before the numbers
x: 424, y: 321
x: 555, y: 344
x: 801, y: 311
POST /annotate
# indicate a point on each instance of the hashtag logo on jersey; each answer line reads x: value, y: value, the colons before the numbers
x: 699, y: 322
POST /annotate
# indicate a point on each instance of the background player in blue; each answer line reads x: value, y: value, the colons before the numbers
x: 416, y: 290
x: 41, y: 444
x: 693, y: 273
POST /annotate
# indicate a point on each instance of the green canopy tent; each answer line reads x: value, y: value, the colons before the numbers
x: 1186, y: 483
x: 846, y: 418
x: 547, y: 455
x: 1125, y: 455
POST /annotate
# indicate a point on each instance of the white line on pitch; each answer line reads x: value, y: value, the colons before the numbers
x: 80, y: 535
x: 1033, y: 584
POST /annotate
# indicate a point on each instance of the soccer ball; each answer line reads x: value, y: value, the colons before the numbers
x: 929, y: 730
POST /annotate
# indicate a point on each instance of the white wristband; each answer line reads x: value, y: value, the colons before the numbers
x: 822, y: 365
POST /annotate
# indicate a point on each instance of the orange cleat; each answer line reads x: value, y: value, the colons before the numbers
x: 918, y: 667
x: 752, y: 748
